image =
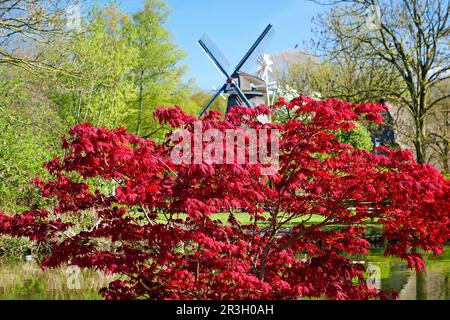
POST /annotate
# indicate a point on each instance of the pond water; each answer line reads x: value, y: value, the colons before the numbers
x: 431, y: 284
x: 25, y: 280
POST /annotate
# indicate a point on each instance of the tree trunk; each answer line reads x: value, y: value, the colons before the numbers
x: 141, y: 95
x: 445, y: 164
x: 420, y: 141
x: 446, y: 142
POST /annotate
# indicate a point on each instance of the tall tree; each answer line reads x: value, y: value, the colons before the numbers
x: 102, y: 58
x: 410, y: 35
x: 157, y: 75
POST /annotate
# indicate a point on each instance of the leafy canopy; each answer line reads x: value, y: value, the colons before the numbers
x: 156, y: 227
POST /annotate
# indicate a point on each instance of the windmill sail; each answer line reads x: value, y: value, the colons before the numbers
x: 256, y: 49
x: 235, y: 84
x: 216, y: 95
x: 215, y: 53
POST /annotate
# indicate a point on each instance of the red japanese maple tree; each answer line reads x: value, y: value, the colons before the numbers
x: 156, y: 225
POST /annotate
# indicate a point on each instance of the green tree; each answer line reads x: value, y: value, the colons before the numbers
x: 358, y: 137
x: 102, y: 59
x: 157, y: 75
x: 115, y: 71
x: 201, y: 98
x: 29, y: 136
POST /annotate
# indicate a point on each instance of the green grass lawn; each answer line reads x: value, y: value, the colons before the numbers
x: 244, y: 218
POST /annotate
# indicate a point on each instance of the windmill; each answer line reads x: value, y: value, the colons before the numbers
x: 240, y: 86
x: 265, y: 63
x: 264, y: 66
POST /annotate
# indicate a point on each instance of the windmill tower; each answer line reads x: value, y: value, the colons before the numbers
x: 242, y: 87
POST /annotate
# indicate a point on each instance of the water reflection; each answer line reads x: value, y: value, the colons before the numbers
x: 24, y: 280
x: 424, y: 285
x: 431, y: 284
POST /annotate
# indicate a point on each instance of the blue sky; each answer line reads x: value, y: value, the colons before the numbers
x: 234, y: 25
